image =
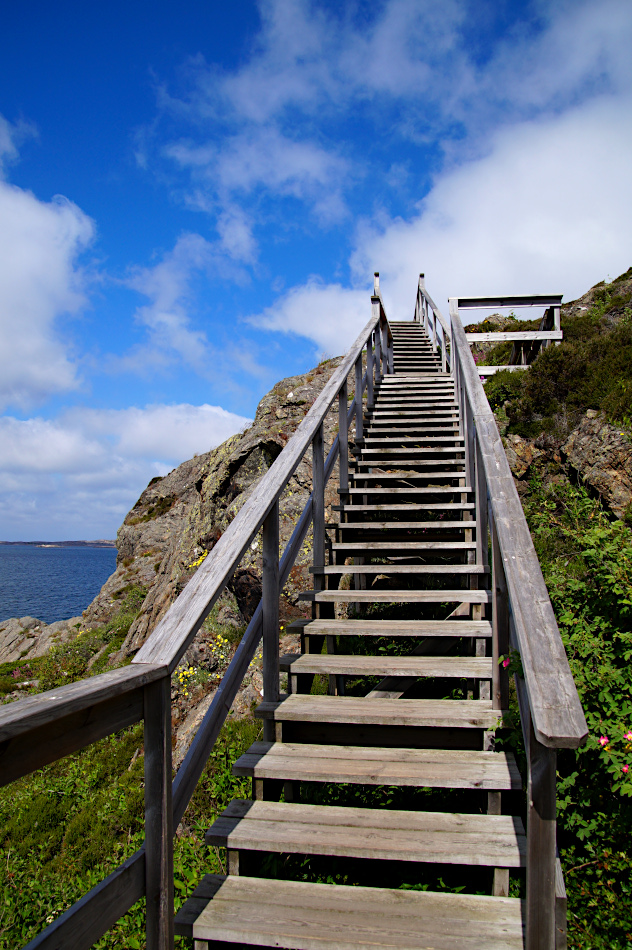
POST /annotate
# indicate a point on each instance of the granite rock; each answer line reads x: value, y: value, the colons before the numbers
x: 602, y: 454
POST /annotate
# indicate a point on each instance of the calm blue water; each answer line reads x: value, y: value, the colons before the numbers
x: 51, y: 583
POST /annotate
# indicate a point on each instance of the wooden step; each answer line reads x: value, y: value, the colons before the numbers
x: 406, y: 443
x: 371, y: 765
x: 386, y: 477
x: 392, y: 628
x: 449, y: 426
x: 352, y: 710
x: 300, y: 915
x: 396, y: 596
x: 405, y: 525
x: 450, y: 667
x: 400, y: 569
x: 370, y: 833
x: 412, y: 424
x: 398, y: 492
x: 410, y: 506
x: 453, y: 467
x: 409, y: 547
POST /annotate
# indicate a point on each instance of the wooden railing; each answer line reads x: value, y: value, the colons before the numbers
x: 429, y: 316
x: 43, y: 728
x: 526, y: 343
x: 523, y: 620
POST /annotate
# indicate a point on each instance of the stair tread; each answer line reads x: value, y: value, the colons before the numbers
x: 406, y: 525
x: 387, y: 834
x: 397, y: 596
x: 399, y: 569
x: 301, y: 915
x: 374, y: 765
x: 408, y: 546
x: 431, y: 713
x: 455, y: 667
x: 409, y: 506
x: 426, y: 490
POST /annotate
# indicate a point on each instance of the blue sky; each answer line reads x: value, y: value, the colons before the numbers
x: 193, y: 201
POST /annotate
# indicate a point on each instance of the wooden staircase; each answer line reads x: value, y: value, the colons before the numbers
x: 391, y: 691
x: 385, y: 812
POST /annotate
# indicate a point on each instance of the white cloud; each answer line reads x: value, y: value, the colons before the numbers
x: 168, y: 315
x: 77, y: 476
x: 40, y: 281
x: 329, y: 314
x: 549, y: 209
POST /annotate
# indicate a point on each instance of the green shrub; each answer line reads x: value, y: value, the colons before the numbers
x: 587, y: 563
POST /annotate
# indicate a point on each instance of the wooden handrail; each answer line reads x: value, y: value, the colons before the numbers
x: 557, y: 715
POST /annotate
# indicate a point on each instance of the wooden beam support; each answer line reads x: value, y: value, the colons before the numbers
x: 540, y: 931
x: 158, y: 816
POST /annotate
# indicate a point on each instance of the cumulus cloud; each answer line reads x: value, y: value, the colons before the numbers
x: 76, y: 476
x: 548, y: 210
x: 40, y: 281
x: 169, y: 286
x: 328, y: 314
x: 277, y: 125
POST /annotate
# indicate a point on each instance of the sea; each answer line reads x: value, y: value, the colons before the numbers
x: 51, y: 583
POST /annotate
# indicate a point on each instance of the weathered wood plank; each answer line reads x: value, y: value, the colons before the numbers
x: 397, y: 596
x: 389, y: 835
x: 339, y: 664
x: 425, y: 768
x: 158, y: 816
x: 34, y: 711
x: 439, y: 713
x: 82, y: 924
x: 59, y: 737
x: 393, y: 628
x: 533, y: 300
x: 517, y: 335
x: 257, y: 911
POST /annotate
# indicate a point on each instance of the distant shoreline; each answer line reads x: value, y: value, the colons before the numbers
x: 65, y: 544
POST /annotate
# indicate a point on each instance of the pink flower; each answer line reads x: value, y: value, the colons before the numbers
x: 604, y: 740
x: 628, y: 736
x: 626, y: 768
x: 506, y: 662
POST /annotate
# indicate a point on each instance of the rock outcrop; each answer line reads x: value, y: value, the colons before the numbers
x: 602, y: 455
x: 27, y: 638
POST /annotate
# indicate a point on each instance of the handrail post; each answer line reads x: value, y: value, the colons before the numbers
x: 158, y: 815
x: 369, y: 371
x: 318, y: 504
x: 358, y: 396
x: 383, y: 325
x: 540, y: 930
x: 482, y: 547
x: 343, y: 436
x: 557, y: 321
x: 500, y: 623
x: 434, y: 332
x: 378, y: 354
x: 270, y: 610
